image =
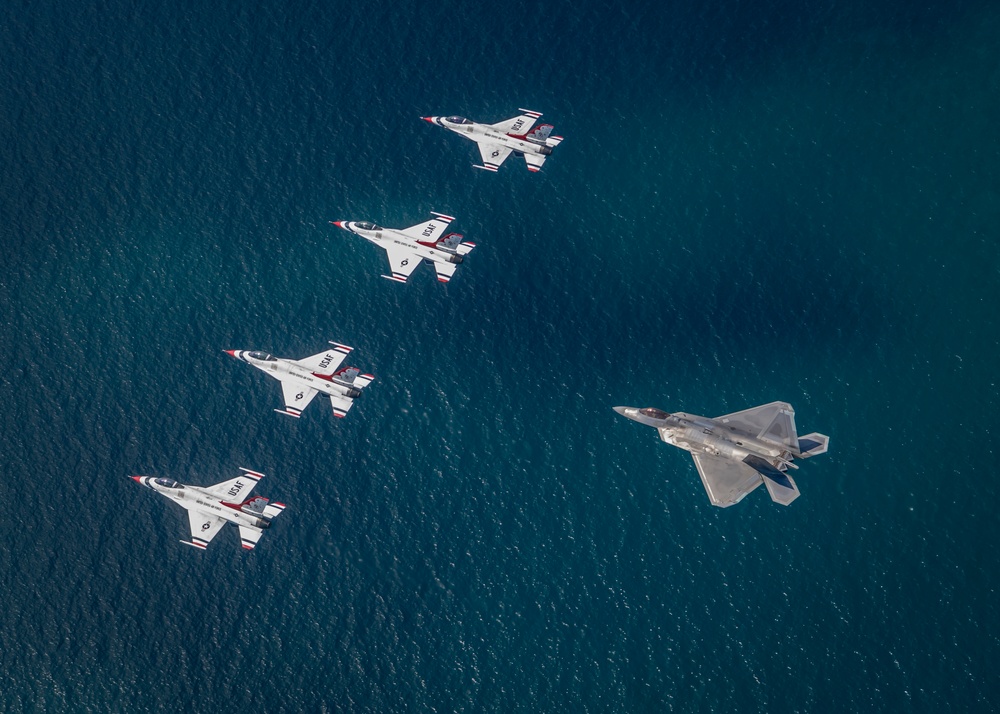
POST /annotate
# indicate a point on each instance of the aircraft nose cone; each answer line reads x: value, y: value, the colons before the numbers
x: 137, y: 479
x: 429, y: 120
x: 231, y: 353
x: 339, y: 224
x: 620, y: 410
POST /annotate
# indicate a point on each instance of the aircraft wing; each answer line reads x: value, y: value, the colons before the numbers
x: 774, y: 422
x: 325, y: 362
x: 297, y: 398
x: 204, y: 527
x: 493, y: 155
x: 428, y: 231
x: 402, y: 263
x: 236, y: 490
x: 519, y: 125
x: 726, y: 482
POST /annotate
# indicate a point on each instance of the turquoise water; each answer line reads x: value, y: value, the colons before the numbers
x: 753, y: 202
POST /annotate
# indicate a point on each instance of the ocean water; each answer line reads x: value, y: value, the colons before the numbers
x: 754, y: 201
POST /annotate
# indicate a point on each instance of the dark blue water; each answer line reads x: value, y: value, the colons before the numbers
x: 754, y: 201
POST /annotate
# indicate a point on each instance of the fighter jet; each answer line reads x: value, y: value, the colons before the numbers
x: 303, y: 379
x: 211, y: 507
x: 737, y: 452
x: 500, y: 140
x: 409, y: 247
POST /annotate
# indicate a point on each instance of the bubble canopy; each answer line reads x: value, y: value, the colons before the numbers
x: 654, y: 413
x: 167, y: 483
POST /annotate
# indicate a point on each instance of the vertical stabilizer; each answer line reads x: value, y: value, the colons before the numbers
x: 781, y: 430
x: 779, y: 485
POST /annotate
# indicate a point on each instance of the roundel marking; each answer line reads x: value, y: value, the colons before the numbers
x: 206, y: 526
x: 405, y: 261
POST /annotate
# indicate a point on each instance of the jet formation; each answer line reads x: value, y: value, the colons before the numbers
x: 303, y: 379
x: 211, y: 507
x: 737, y: 452
x: 511, y: 136
x: 407, y: 248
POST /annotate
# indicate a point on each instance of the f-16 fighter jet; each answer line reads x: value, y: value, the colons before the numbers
x: 303, y: 379
x: 409, y: 247
x: 737, y: 452
x: 500, y: 140
x: 211, y: 507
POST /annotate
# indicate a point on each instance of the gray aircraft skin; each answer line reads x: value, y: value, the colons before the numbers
x: 737, y: 452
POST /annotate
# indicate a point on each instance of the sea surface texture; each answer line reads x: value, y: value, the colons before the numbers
x: 755, y: 201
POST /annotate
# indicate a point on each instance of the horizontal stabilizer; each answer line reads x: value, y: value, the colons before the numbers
x: 465, y: 248
x: 363, y: 380
x: 534, y: 161
x: 779, y: 485
x: 813, y: 445
x: 272, y: 510
x: 249, y: 537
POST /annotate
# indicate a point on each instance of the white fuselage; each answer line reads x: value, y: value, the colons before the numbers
x: 484, y: 133
x: 197, y: 499
x: 285, y: 370
x: 388, y: 237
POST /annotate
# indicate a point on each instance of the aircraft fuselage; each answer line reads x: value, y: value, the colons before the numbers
x: 193, y: 498
x: 386, y: 237
x: 484, y: 132
x: 287, y: 370
x: 699, y: 434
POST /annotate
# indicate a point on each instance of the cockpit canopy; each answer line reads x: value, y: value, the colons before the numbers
x: 653, y: 413
x: 458, y: 120
x: 368, y: 226
x: 262, y: 356
x: 167, y: 483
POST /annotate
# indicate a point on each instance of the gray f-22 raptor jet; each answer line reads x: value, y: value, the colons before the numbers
x: 737, y: 452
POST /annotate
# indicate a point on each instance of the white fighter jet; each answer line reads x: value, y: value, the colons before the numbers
x: 303, y: 379
x: 738, y: 452
x: 511, y: 136
x: 409, y: 247
x: 211, y: 507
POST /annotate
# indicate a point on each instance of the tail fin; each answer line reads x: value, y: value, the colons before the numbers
x: 780, y: 485
x: 254, y: 505
x: 450, y: 241
x: 540, y: 133
x: 813, y: 445
x: 347, y: 375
